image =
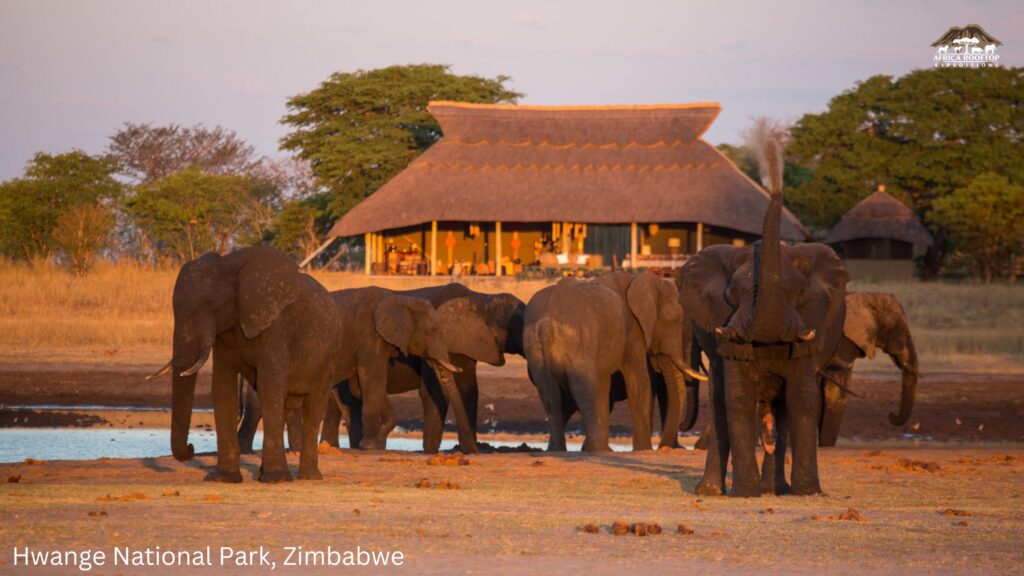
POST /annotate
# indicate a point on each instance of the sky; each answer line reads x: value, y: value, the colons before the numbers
x: 72, y: 72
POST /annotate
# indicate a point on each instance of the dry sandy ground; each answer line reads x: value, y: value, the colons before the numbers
x: 949, y: 511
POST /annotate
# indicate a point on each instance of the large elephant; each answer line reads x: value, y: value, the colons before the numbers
x: 769, y: 316
x: 579, y: 335
x: 477, y: 328
x: 873, y: 319
x: 376, y: 329
x: 259, y: 317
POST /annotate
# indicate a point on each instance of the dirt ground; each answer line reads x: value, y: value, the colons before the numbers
x: 944, y: 494
x: 930, y: 510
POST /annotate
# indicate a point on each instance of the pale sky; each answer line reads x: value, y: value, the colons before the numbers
x: 71, y: 72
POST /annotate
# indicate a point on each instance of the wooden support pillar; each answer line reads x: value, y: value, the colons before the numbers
x: 632, y: 246
x: 497, y: 249
x: 433, y: 247
x: 700, y: 236
x: 368, y: 252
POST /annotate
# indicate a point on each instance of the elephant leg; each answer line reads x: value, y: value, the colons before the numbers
x: 743, y: 424
x: 716, y: 437
x: 803, y: 403
x: 591, y: 395
x: 272, y: 388
x: 332, y: 421
x: 224, y: 393
x: 373, y: 383
x: 435, y: 410
x: 390, y: 420
x: 352, y: 409
x: 293, y: 424
x: 638, y: 391
x: 251, y: 416
x: 773, y: 467
x: 834, y: 406
x: 312, y: 412
x: 469, y: 390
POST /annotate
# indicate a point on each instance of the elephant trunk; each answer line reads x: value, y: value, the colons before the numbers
x: 768, y: 310
x: 445, y: 374
x: 675, y: 385
x: 908, y: 390
x: 190, y: 353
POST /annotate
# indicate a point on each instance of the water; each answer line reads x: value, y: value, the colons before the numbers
x: 17, y: 444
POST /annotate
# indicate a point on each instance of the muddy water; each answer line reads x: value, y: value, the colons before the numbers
x: 17, y: 444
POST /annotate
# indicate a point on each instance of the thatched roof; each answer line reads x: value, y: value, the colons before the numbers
x: 592, y: 164
x: 880, y: 216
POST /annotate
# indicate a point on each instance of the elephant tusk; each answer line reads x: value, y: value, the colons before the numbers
x: 447, y: 365
x: 831, y: 379
x: 694, y: 375
x: 807, y: 336
x: 163, y: 371
x: 198, y: 365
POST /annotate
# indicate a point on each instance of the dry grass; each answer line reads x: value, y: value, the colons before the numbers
x: 122, y: 313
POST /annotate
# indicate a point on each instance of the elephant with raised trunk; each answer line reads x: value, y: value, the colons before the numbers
x: 377, y: 329
x: 873, y: 319
x: 477, y: 328
x: 769, y: 316
x: 259, y: 317
x: 580, y: 336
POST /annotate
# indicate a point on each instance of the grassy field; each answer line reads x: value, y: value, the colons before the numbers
x: 121, y: 314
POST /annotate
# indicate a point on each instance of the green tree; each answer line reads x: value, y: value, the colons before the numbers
x: 81, y: 234
x: 299, y: 225
x: 360, y: 129
x: 923, y: 135
x: 53, y: 185
x: 985, y: 221
x: 188, y: 213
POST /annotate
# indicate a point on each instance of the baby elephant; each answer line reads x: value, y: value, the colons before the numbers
x: 579, y: 335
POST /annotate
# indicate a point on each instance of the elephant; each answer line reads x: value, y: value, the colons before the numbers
x: 873, y: 319
x: 477, y: 328
x: 769, y: 316
x: 579, y: 335
x: 263, y: 319
x: 376, y: 329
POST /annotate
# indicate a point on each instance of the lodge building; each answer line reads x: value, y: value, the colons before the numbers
x: 509, y: 187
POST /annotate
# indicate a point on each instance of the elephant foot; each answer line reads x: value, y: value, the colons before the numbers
x: 642, y: 447
x: 468, y: 448
x: 372, y: 444
x: 806, y: 489
x: 275, y: 476
x: 218, y: 475
x: 746, y: 491
x: 596, y: 446
x: 770, y: 488
x: 708, y: 489
x: 313, y: 474
x: 246, y: 449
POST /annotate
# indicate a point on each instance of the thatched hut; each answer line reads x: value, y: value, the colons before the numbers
x: 518, y: 185
x: 878, y: 237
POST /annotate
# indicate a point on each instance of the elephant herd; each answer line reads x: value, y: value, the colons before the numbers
x: 775, y: 323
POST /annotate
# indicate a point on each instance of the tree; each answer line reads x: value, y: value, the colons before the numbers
x: 923, y: 135
x: 53, y: 185
x: 191, y: 212
x: 360, y: 129
x: 985, y: 221
x: 82, y: 233
x: 299, y: 225
x: 147, y: 153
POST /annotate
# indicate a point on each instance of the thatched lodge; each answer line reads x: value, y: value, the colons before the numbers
x: 877, y: 239
x: 551, y: 187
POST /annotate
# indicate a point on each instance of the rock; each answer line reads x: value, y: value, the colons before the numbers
x: 684, y: 530
x: 423, y: 483
x: 955, y: 512
x: 213, y: 498
x: 961, y: 523
x: 591, y: 529
x: 620, y: 528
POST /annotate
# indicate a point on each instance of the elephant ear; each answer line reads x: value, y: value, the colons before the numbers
x: 394, y: 321
x: 466, y: 332
x: 860, y: 326
x: 702, y: 283
x: 642, y: 297
x: 268, y: 281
